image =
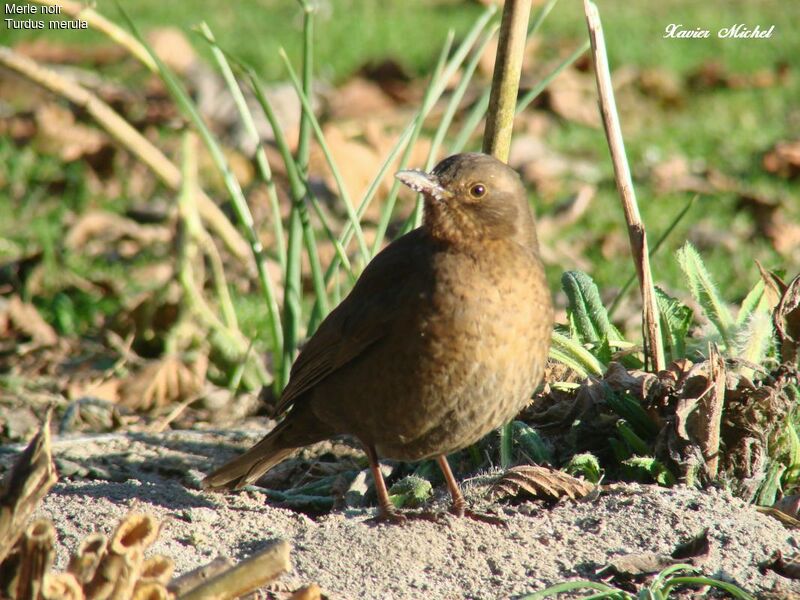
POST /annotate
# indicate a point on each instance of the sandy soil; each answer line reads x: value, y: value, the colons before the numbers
x: 350, y: 558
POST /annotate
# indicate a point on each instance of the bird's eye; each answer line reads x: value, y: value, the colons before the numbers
x: 477, y: 191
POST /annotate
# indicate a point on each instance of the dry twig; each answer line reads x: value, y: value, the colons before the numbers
x: 636, y: 231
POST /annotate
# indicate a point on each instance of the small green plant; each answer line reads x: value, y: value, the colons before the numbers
x: 662, y: 587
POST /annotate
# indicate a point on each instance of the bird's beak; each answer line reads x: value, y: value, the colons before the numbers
x: 422, y: 182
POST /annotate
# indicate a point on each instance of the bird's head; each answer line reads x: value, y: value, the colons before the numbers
x: 471, y: 197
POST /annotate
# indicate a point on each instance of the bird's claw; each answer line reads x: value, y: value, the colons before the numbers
x: 459, y: 510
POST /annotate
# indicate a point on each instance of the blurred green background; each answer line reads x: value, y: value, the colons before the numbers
x: 721, y: 128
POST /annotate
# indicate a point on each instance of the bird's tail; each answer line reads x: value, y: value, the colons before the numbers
x: 251, y: 465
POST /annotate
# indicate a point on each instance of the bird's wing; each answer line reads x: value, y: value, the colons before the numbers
x: 388, y: 287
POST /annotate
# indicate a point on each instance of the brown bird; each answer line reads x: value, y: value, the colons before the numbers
x: 443, y: 338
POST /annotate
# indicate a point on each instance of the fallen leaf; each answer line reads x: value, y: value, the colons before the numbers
x: 173, y: 48
x: 696, y: 549
x: 98, y: 232
x: 573, y: 96
x: 787, y: 567
x: 307, y: 592
x: 787, y: 321
x: 632, y: 566
x: 162, y: 382
x: 783, y: 159
x: 356, y: 98
x: 58, y: 133
x: 21, y: 320
x: 536, y: 482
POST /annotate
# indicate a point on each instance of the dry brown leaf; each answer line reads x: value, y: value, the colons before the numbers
x: 173, y: 48
x: 713, y: 74
x: 787, y: 321
x: 307, y: 592
x: 573, y: 96
x: 788, y: 567
x: 540, y: 483
x: 693, y: 551
x: 771, y: 221
x: 662, y: 84
x: 162, y: 382
x: 95, y: 231
x: 21, y: 320
x: 357, y: 161
x: 783, y: 159
x: 356, y: 98
x: 789, y: 505
x: 632, y: 566
x: 677, y: 175
x: 58, y: 133
x: 103, y: 389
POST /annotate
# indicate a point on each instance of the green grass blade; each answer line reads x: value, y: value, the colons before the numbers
x: 246, y: 116
x: 447, y: 118
x: 629, y: 408
x: 573, y: 586
x: 750, y: 302
x: 347, y: 232
x: 534, y: 92
x: 478, y: 110
x: 649, y: 466
x: 731, y: 589
x: 297, y: 186
x: 659, y: 242
x: 235, y: 192
x: 531, y: 443
x: 353, y: 219
x: 664, y: 574
x: 391, y: 200
x: 576, y: 353
x: 445, y: 70
x: 629, y: 436
x: 704, y: 291
x: 506, y: 445
x: 299, y: 222
x: 565, y: 359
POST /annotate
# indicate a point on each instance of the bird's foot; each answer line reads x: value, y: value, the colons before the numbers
x: 392, y: 516
x: 387, y: 516
x: 460, y: 510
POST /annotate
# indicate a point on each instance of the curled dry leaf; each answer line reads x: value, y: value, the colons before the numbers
x: 539, y: 483
x: 787, y: 321
x: 693, y: 551
x: 783, y: 159
x: 572, y: 95
x: 97, y: 231
x: 58, y: 133
x: 21, y: 321
x: 162, y: 382
x: 788, y: 567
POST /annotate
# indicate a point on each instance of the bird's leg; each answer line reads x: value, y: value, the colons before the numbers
x: 387, y: 513
x: 459, y: 505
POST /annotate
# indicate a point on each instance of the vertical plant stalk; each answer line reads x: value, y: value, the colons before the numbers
x: 654, y: 349
x: 500, y: 118
x: 505, y: 80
